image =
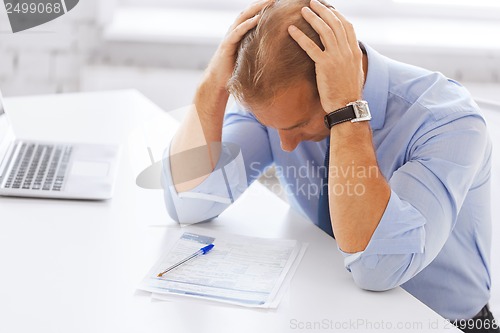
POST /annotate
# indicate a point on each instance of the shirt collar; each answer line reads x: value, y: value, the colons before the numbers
x: 376, y: 87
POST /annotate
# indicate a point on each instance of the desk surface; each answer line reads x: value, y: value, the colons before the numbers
x: 73, y: 266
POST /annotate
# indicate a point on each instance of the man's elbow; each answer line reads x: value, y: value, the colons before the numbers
x: 384, y: 272
x: 372, y: 283
x: 190, y: 210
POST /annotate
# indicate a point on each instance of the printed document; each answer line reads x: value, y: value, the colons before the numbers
x: 240, y: 270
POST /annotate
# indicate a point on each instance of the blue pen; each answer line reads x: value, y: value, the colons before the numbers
x: 202, y: 251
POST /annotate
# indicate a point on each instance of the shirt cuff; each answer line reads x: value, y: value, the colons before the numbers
x: 207, y: 200
x: 400, y: 231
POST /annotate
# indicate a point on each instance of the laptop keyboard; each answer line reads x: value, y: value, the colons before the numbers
x: 39, y: 167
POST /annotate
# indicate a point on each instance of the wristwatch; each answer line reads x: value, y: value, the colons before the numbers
x: 354, y: 111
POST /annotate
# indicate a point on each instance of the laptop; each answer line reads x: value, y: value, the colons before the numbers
x: 54, y: 169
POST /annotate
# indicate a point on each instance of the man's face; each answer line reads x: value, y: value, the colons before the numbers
x: 296, y: 114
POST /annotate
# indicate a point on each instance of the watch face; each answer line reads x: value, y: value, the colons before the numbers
x: 362, y: 111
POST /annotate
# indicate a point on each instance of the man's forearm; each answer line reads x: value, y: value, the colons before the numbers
x: 358, y: 192
x: 202, y: 127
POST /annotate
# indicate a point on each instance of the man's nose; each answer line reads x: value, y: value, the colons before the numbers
x: 288, y: 142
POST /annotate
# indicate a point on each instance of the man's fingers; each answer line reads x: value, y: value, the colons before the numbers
x: 250, y: 12
x: 324, y: 31
x: 237, y: 33
x: 312, y: 50
x: 349, y: 30
x: 330, y: 18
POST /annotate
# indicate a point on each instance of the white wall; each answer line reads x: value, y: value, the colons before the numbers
x: 49, y: 58
x: 71, y: 54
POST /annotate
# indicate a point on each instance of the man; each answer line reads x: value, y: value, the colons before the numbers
x: 406, y: 194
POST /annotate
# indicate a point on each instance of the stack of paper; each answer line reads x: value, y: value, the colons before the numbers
x: 246, y: 271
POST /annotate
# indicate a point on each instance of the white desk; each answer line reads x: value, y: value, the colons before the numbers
x: 73, y: 266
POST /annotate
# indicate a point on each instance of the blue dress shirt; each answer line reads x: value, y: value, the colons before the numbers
x: 432, y: 146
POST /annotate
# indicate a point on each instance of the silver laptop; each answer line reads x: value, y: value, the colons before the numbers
x: 54, y: 169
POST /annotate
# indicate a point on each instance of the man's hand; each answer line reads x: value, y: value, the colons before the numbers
x: 202, y: 125
x: 340, y: 78
x: 222, y: 64
x: 339, y: 71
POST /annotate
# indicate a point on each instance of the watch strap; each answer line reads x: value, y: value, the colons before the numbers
x: 339, y: 116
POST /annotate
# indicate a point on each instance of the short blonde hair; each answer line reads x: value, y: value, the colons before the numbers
x: 269, y: 59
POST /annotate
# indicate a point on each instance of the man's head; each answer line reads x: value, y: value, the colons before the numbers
x: 276, y: 79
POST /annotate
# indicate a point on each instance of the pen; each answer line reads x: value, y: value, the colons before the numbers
x: 202, y: 251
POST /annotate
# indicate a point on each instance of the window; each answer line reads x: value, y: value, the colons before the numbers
x: 195, y: 4
x: 467, y: 3
x: 464, y: 9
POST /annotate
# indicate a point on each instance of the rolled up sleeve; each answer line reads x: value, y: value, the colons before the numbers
x: 245, y: 143
x: 427, y: 193
x: 399, y: 236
